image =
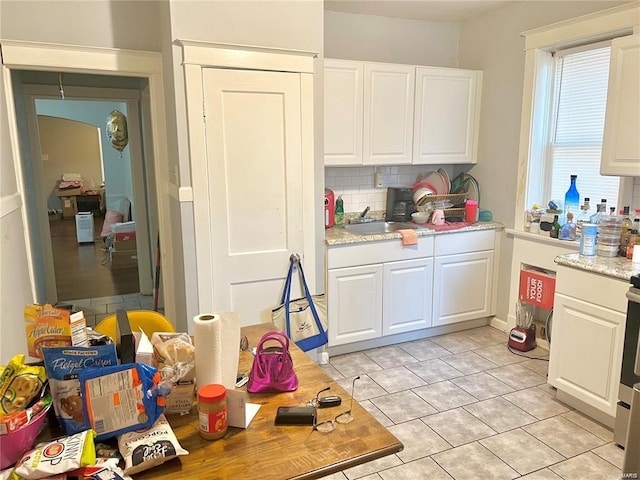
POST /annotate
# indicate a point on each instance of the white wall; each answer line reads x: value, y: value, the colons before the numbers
x: 101, y: 23
x: 15, y: 285
x: 492, y: 43
x: 393, y: 40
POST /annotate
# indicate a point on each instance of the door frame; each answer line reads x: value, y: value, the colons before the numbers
x: 18, y: 55
x: 132, y: 100
x: 198, y: 55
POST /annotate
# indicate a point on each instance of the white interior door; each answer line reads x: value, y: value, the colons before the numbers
x: 254, y: 175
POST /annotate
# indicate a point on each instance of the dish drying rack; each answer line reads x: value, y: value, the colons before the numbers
x: 454, y: 198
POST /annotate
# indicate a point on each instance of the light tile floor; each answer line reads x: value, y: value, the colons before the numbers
x: 95, y: 309
x: 466, y: 408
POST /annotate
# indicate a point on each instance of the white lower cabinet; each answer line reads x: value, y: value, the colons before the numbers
x: 463, y: 278
x: 378, y: 289
x: 462, y: 287
x: 407, y: 296
x: 587, y: 337
x: 355, y: 304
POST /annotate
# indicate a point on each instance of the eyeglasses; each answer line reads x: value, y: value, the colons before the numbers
x: 344, y: 417
x: 316, y: 401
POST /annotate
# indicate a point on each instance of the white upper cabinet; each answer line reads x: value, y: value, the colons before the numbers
x: 621, y: 143
x: 343, y: 110
x: 388, y: 113
x: 447, y: 115
x: 392, y: 114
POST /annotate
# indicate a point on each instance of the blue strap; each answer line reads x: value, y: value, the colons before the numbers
x: 286, y: 298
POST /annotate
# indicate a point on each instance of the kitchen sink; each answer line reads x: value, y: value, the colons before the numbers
x: 373, y: 228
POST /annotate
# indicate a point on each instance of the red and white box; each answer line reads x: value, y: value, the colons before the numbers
x: 537, y: 287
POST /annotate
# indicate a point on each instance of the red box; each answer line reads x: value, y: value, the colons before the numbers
x: 124, y: 236
x: 537, y: 288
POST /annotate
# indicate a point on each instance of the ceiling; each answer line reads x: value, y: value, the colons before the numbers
x: 455, y: 11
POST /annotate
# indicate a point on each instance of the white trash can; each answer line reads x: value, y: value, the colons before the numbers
x: 84, y: 227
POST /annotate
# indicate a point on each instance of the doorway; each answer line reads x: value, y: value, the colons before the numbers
x: 124, y: 172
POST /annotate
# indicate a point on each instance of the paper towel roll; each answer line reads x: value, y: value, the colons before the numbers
x: 216, y: 338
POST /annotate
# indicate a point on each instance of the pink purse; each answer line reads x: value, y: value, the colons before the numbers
x: 272, y: 369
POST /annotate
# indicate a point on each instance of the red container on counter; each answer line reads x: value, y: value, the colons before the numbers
x: 471, y: 211
x: 329, y: 208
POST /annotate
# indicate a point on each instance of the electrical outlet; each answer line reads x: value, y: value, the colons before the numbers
x: 378, y: 180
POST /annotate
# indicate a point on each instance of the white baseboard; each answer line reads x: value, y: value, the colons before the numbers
x: 500, y: 324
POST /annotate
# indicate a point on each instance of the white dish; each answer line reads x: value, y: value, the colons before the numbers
x: 438, y: 181
x: 420, y: 217
x: 471, y: 187
x: 421, y: 196
x: 447, y: 180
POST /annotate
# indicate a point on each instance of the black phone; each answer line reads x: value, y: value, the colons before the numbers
x: 295, y: 416
x: 329, y: 401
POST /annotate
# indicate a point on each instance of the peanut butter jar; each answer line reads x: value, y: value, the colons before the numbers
x: 212, y: 411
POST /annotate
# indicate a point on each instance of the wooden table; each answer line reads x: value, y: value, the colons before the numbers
x: 266, y: 451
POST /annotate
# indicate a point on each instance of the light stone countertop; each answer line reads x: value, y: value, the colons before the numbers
x: 616, y: 267
x: 340, y: 236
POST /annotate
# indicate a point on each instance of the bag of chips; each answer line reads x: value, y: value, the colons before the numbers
x: 58, y: 456
x: 144, y: 449
x: 63, y: 365
x: 121, y: 398
x: 19, y: 385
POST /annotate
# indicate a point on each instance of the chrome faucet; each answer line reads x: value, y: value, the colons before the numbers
x: 364, y: 213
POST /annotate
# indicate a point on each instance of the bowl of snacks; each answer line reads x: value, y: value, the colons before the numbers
x: 21, y: 438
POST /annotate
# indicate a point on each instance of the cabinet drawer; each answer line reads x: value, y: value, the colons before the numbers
x: 593, y: 288
x: 366, y: 253
x: 464, y: 242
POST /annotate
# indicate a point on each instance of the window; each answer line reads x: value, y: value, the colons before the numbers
x: 578, y: 97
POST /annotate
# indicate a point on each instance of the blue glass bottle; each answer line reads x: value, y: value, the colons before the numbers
x: 572, y: 199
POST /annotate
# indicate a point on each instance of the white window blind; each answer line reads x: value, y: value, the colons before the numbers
x: 579, y: 103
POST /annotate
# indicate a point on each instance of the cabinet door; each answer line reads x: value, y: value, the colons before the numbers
x: 586, y: 354
x: 343, y: 110
x: 407, y: 297
x: 621, y: 142
x: 447, y: 114
x: 388, y: 113
x: 462, y: 287
x: 354, y: 298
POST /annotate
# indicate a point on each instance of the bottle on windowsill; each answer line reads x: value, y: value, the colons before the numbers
x: 600, y: 211
x: 627, y: 225
x: 571, y: 199
x: 583, y: 217
x: 568, y: 230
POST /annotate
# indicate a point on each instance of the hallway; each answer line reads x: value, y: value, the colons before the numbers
x: 83, y: 270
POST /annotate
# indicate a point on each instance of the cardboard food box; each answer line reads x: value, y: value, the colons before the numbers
x: 47, y: 326
x: 537, y: 287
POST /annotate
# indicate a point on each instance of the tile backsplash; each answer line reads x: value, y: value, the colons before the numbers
x: 356, y: 184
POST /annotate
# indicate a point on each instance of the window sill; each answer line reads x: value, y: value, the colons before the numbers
x: 535, y: 237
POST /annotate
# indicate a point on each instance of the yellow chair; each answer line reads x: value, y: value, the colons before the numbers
x: 148, y: 320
